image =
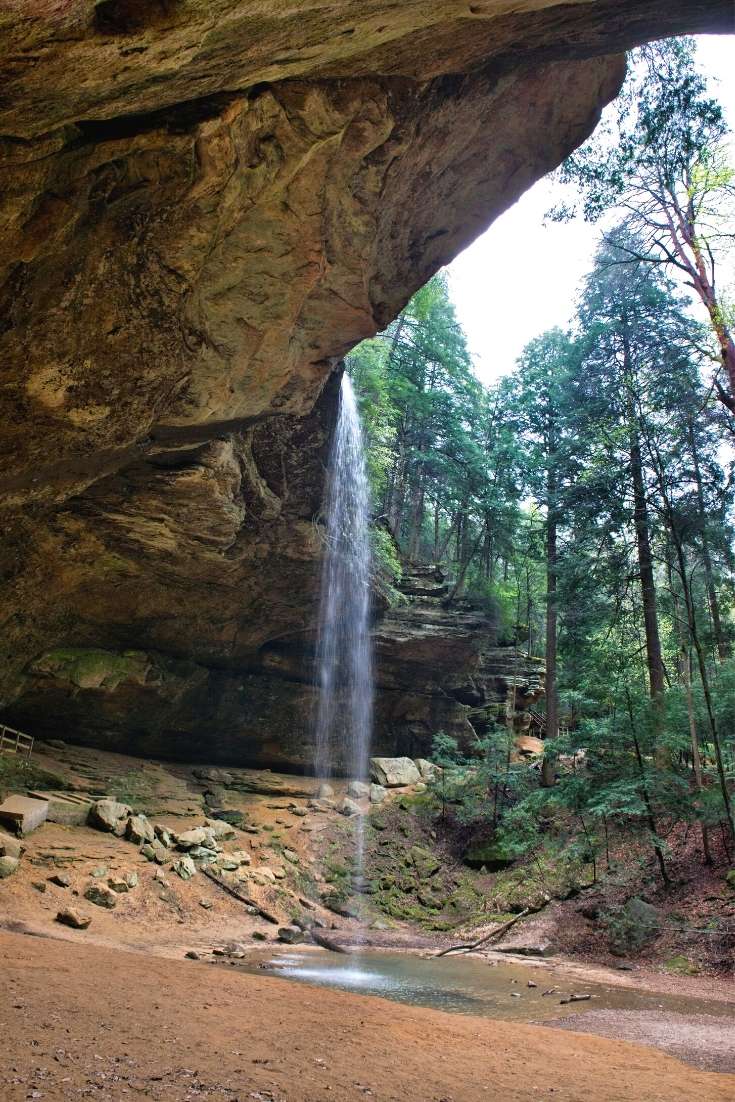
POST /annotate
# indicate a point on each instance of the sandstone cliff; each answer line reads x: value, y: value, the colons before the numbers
x: 204, y: 205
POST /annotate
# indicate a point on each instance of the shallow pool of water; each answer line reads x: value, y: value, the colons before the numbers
x: 470, y: 985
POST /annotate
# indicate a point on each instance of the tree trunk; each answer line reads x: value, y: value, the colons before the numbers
x: 548, y: 771
x: 714, y: 605
x: 654, y: 659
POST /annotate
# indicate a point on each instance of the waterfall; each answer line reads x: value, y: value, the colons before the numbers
x: 344, y: 658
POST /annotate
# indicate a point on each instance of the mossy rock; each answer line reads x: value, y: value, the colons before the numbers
x: 491, y: 854
x: 730, y: 879
x: 682, y: 966
x: 424, y: 861
x: 88, y: 668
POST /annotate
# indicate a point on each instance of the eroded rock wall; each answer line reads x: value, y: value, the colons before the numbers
x: 204, y: 205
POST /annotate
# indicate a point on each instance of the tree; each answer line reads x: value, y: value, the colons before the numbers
x: 662, y: 162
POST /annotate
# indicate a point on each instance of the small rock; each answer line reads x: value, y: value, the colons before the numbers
x: 531, y: 984
x: 291, y: 856
x: 227, y: 864
x: 220, y: 828
x: 139, y: 830
x: 60, y: 879
x: 240, y: 855
x: 163, y: 834
x: 515, y: 994
x: 349, y: 807
x: 324, y: 791
x: 200, y: 836
x: 131, y: 878
x: 377, y: 793
x: 160, y: 876
x: 118, y: 884
x: 99, y: 872
x: 69, y: 916
x: 109, y: 815
x: 219, y: 776
x: 358, y: 790
x: 192, y: 954
x: 206, y: 904
x: 263, y: 875
x: 184, y: 867
x: 259, y: 935
x: 279, y: 872
x: 574, y: 999
x: 8, y: 865
x: 300, y: 812
x: 101, y: 896
x: 39, y: 885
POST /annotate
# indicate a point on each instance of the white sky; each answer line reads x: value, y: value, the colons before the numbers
x: 502, y: 306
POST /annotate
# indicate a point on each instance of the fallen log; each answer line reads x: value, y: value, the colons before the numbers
x: 241, y: 897
x: 326, y: 942
x: 497, y: 933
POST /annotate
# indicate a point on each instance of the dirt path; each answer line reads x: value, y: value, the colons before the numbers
x: 80, y: 1021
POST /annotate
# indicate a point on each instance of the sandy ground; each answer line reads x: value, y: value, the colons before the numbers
x: 82, y: 1021
x: 703, y: 1040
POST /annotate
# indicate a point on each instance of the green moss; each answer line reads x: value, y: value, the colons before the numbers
x: 87, y: 668
x: 18, y: 775
x: 682, y: 966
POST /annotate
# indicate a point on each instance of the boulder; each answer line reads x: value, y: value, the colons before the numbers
x: 184, y: 867
x: 140, y: 830
x: 358, y: 790
x: 108, y: 815
x: 101, y: 896
x: 23, y: 814
x: 291, y: 935
x: 70, y: 916
x: 424, y: 861
x: 377, y: 793
x: 350, y: 807
x: 9, y: 846
x: 325, y: 791
x: 394, y: 772
x: 427, y: 769
x: 8, y: 866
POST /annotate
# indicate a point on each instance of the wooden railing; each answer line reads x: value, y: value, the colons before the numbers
x: 15, y: 742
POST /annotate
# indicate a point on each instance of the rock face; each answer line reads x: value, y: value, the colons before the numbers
x: 193, y: 234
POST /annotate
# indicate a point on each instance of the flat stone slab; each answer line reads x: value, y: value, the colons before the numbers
x: 23, y: 814
x: 65, y: 807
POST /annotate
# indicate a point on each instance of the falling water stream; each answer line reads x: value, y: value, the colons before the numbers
x: 344, y: 658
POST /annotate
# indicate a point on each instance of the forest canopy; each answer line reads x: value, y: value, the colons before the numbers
x: 586, y: 499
